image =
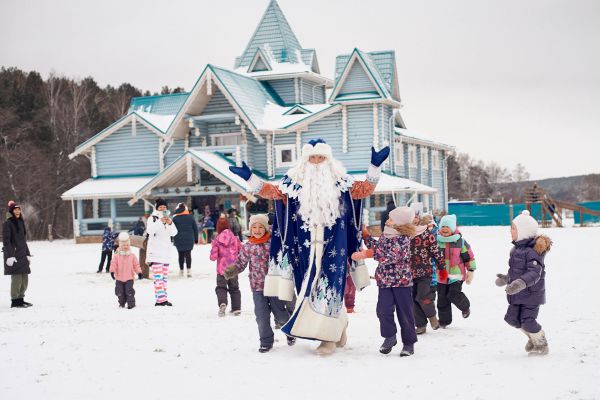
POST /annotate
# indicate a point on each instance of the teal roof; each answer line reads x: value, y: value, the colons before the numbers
x: 380, y: 64
x: 273, y: 32
x: 168, y: 104
x: 248, y: 93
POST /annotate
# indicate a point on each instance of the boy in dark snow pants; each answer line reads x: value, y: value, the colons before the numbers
x: 526, y: 289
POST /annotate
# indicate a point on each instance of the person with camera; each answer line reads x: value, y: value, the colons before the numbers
x: 160, y: 229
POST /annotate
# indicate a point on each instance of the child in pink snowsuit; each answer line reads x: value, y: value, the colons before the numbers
x: 225, y: 250
x: 123, y: 268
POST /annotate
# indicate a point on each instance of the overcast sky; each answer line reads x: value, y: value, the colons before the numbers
x: 507, y: 80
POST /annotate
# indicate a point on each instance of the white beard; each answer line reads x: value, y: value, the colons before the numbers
x: 319, y: 196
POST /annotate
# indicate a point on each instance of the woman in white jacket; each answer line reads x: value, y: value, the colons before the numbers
x: 160, y: 229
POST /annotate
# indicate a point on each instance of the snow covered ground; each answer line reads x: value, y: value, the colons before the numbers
x: 75, y: 343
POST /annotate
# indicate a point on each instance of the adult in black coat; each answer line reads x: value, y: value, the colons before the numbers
x: 187, y: 236
x: 16, y: 255
x: 386, y: 214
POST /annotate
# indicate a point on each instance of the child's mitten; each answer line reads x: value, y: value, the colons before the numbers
x: 501, y: 279
x: 112, y: 275
x: 230, y: 272
x: 140, y: 276
x: 515, y: 286
x: 10, y: 261
x: 442, y: 274
x: 470, y: 276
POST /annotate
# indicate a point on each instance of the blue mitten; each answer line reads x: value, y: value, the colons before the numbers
x: 378, y: 157
x: 243, y: 172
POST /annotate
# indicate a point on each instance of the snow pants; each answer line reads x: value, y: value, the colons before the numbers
x: 263, y: 308
x: 185, y: 257
x: 448, y: 295
x: 18, y: 286
x: 424, y: 300
x: 161, y: 273
x: 524, y: 317
x: 106, y: 255
x: 397, y: 299
x: 233, y: 287
x: 125, y: 293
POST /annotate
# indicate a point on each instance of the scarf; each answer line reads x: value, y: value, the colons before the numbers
x: 449, y: 239
x: 263, y: 239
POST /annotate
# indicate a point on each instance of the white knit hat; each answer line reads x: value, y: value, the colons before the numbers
x: 123, y: 237
x: 259, y: 219
x: 402, y: 215
x: 526, y: 226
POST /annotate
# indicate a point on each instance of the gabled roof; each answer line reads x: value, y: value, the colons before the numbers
x: 260, y: 62
x: 309, y: 57
x: 156, y: 123
x: 297, y: 109
x: 272, y: 30
x: 380, y: 66
x: 166, y: 104
x: 173, y: 175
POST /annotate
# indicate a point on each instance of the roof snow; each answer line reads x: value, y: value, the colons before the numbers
x: 162, y: 122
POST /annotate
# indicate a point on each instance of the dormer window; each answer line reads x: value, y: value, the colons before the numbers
x: 297, y: 109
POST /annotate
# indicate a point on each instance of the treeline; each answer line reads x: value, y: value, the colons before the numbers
x: 41, y: 122
x: 471, y: 179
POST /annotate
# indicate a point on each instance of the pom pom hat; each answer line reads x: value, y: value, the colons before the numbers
x: 526, y: 226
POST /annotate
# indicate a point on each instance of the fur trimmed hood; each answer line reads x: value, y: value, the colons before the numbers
x: 543, y: 244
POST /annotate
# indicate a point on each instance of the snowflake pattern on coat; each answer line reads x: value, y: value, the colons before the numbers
x: 393, y: 255
x: 425, y: 251
x: 256, y: 258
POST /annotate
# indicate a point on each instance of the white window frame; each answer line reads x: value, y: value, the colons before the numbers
x: 435, y: 159
x: 412, y: 155
x: 279, y: 163
x: 399, y: 157
x: 214, y: 137
x: 424, y: 157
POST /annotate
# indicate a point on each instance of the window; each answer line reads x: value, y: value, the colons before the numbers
x: 226, y: 139
x: 424, y: 157
x: 399, y: 157
x: 412, y: 155
x: 285, y: 155
x: 435, y: 159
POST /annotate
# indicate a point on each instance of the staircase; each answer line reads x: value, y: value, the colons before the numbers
x: 551, y: 209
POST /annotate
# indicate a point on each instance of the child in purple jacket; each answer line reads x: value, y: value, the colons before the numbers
x: 255, y: 256
x: 525, y: 281
x: 394, y: 279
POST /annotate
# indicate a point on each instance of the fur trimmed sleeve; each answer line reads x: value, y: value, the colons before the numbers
x: 270, y: 192
x: 362, y: 189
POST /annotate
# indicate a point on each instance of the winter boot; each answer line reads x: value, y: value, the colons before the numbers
x: 99, y: 271
x: 343, y: 339
x: 164, y: 303
x: 529, y: 344
x: 388, y: 344
x: 26, y: 304
x: 291, y: 341
x: 181, y: 272
x: 129, y: 307
x: 18, y: 303
x: 189, y: 273
x: 350, y: 310
x: 277, y: 325
x: 466, y: 313
x: 168, y: 304
x: 421, y: 329
x: 407, y: 350
x: 222, y: 309
x: 237, y: 313
x: 540, y: 344
x: 264, y: 349
x: 326, y: 348
x: 433, y: 321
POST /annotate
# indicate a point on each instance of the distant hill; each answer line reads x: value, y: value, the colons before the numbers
x: 573, y: 189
